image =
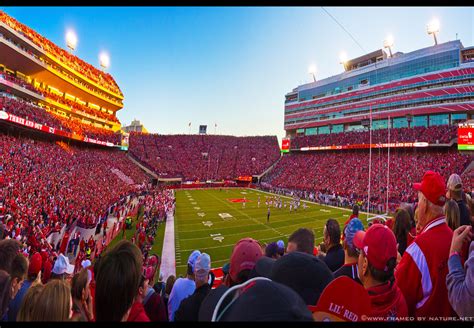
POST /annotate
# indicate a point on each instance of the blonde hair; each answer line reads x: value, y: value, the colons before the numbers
x: 28, y: 302
x: 453, y: 217
x: 54, y: 302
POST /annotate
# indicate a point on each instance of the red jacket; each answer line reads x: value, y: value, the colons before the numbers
x: 421, y: 274
x: 137, y: 313
x: 387, y: 301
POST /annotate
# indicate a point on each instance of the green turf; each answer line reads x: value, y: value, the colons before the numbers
x: 191, y: 233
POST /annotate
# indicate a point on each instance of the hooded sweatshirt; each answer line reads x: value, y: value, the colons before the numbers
x: 387, y: 301
x: 137, y: 313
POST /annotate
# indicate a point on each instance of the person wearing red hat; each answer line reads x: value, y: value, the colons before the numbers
x: 34, y: 269
x: 421, y: 273
x: 377, y: 260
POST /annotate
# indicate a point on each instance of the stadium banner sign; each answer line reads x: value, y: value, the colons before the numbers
x: 466, y: 136
x: 244, y: 178
x: 285, y: 145
x: 202, y: 129
x: 44, y: 128
x: 367, y: 146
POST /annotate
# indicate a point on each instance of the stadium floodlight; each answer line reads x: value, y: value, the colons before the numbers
x: 104, y: 60
x: 312, y: 71
x: 433, y: 28
x: 343, y: 59
x: 71, y: 40
x: 388, y: 43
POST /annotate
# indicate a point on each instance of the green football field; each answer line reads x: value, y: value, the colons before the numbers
x: 208, y: 221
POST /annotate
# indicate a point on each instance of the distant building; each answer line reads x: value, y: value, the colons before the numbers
x: 135, y: 126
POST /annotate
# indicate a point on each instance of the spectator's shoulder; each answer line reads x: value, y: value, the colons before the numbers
x: 210, y: 301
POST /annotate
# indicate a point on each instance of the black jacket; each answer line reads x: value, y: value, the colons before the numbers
x: 334, y: 257
x: 189, y: 308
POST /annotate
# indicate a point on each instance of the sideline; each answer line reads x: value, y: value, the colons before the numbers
x: 168, y: 260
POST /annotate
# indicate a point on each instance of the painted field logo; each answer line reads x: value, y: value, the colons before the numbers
x: 225, y: 216
x: 238, y: 200
x: 218, y: 237
x: 201, y: 214
x: 207, y: 223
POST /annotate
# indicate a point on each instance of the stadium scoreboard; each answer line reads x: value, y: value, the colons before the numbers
x: 466, y: 136
x: 285, y: 145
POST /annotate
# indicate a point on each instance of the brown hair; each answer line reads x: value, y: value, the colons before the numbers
x: 19, y: 267
x: 453, y: 216
x: 169, y: 284
x: 304, y: 240
x: 53, y: 303
x: 5, y: 291
x: 29, y: 301
x: 78, y: 284
x: 9, y: 248
x: 402, y: 225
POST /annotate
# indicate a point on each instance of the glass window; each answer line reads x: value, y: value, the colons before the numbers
x: 323, y: 130
x: 380, y: 124
x: 458, y: 117
x: 311, y: 131
x: 420, y: 121
x: 442, y: 119
x: 400, y: 122
x: 337, y: 128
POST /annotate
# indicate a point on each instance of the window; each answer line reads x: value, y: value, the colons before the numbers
x: 323, y: 130
x: 458, y: 117
x: 311, y: 131
x: 420, y: 121
x: 442, y: 119
x: 400, y: 122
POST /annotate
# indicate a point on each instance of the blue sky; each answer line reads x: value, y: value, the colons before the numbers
x: 232, y: 65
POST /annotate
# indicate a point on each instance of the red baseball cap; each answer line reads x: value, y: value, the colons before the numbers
x: 244, y: 256
x: 36, y: 262
x: 343, y: 300
x: 433, y: 187
x: 378, y: 244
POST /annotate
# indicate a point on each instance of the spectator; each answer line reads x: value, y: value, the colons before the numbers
x: 401, y: 229
x: 272, y: 251
x: 5, y: 293
x: 82, y: 307
x: 54, y: 302
x: 155, y: 307
x: 183, y: 287
x: 261, y: 299
x: 460, y: 282
x: 9, y: 248
x: 355, y: 214
x: 168, y: 288
x: 455, y: 192
x: 34, y: 268
x: 377, y: 261
x: 302, y: 240
x: 351, y: 254
x: 304, y: 273
x: 62, y: 269
x: 29, y: 301
x: 137, y: 312
x: 189, y: 308
x: 332, y: 240
x: 451, y: 211
x: 117, y: 282
x: 425, y: 261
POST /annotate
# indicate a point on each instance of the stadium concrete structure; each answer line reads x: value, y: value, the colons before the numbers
x: 428, y: 87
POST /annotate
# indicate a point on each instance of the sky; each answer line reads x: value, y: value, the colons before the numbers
x: 230, y: 66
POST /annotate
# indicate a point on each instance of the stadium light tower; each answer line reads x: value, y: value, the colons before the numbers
x: 433, y: 28
x: 388, y: 43
x: 71, y: 40
x: 312, y: 71
x: 343, y: 59
x: 104, y: 60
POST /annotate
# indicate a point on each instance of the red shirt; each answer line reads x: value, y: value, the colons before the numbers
x: 387, y: 301
x: 137, y: 313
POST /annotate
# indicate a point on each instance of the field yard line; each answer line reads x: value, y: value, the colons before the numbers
x: 168, y: 261
x: 255, y: 220
x: 213, y: 247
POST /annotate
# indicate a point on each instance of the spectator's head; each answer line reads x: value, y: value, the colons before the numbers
x: 201, y: 269
x: 36, y: 263
x: 431, y: 198
x: 454, y: 187
x: 378, y: 254
x: 29, y: 301
x: 9, y: 248
x: 5, y: 291
x: 272, y: 251
x: 281, y: 247
x: 19, y: 272
x: 191, y: 261
x: 402, y: 225
x: 302, y: 240
x: 332, y: 233
x: 409, y: 208
x: 80, y: 285
x: 117, y: 282
x: 304, y: 273
x: 169, y: 284
x: 350, y: 230
x: 54, y: 302
x: 355, y: 210
x: 142, y: 289
x: 453, y: 217
x: 244, y: 256
x: 62, y: 269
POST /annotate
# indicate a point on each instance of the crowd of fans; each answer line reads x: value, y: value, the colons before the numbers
x: 20, y: 82
x: 346, y: 173
x: 441, y: 134
x: 46, y: 186
x: 420, y: 269
x: 27, y: 110
x: 101, y: 78
x: 205, y: 157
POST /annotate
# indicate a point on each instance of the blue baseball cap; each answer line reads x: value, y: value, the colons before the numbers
x: 193, y: 257
x: 351, y: 229
x: 281, y: 244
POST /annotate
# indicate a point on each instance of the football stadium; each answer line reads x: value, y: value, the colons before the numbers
x: 368, y: 196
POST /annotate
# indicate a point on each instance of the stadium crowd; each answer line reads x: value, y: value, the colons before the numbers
x: 28, y: 110
x: 204, y: 157
x: 103, y: 79
x: 418, y: 270
x: 316, y: 173
x: 441, y: 134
